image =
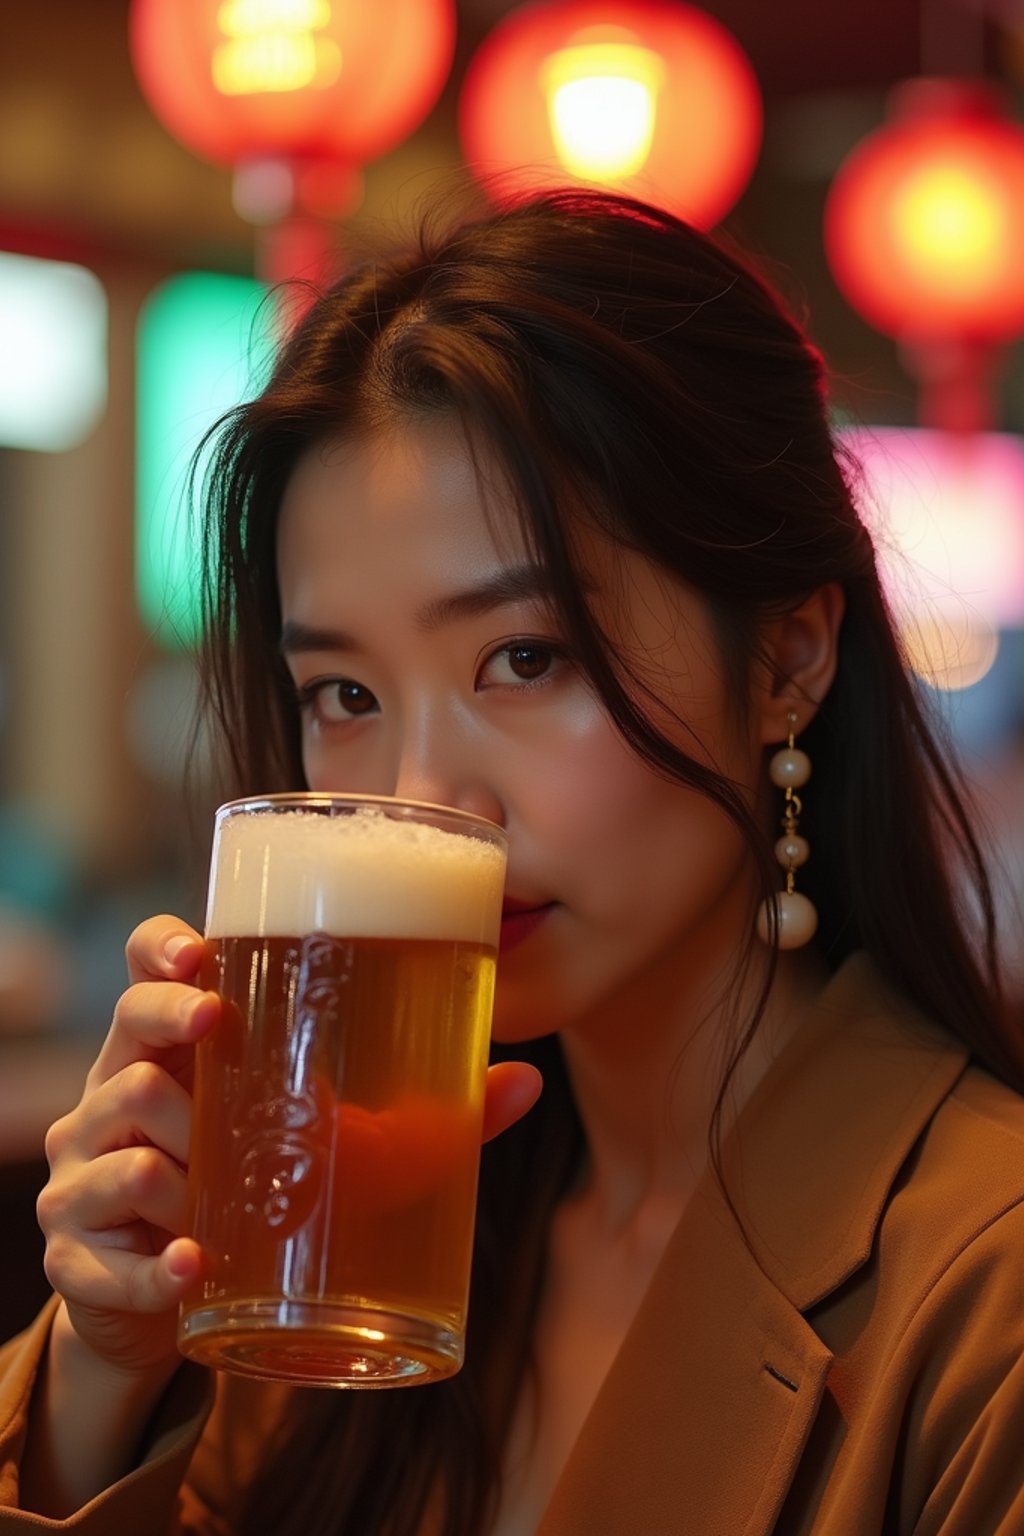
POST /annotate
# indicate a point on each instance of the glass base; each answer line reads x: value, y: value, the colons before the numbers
x: 319, y: 1344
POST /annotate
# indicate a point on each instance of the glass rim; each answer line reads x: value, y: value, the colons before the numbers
x: 352, y: 800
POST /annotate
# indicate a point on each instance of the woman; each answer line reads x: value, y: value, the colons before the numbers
x: 542, y: 519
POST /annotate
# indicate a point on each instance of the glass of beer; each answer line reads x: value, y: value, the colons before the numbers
x: 338, y: 1102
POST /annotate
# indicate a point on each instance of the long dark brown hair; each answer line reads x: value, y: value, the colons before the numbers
x: 611, y: 356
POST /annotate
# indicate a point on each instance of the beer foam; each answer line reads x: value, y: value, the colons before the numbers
x: 282, y: 874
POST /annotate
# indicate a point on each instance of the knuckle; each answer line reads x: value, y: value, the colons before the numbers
x: 144, y: 1172
x: 118, y: 1019
x: 127, y: 1005
x: 58, y: 1262
x: 144, y: 1085
x: 136, y: 941
x: 56, y: 1139
x: 55, y: 1207
x: 136, y: 1004
x: 48, y: 1207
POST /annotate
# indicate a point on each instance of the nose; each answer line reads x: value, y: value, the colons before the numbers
x: 436, y: 764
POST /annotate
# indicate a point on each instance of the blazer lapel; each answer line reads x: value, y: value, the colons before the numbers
x: 707, y: 1406
x: 701, y: 1421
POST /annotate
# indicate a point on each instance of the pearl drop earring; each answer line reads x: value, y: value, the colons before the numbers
x: 795, y: 919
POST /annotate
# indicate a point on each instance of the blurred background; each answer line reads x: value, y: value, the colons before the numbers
x: 141, y: 217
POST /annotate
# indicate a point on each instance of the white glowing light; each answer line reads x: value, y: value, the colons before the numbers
x: 53, y: 353
x: 602, y: 101
x: 273, y: 45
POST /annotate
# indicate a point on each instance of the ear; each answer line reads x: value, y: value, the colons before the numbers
x: 799, y: 654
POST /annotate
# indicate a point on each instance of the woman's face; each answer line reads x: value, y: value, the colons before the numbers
x: 430, y: 665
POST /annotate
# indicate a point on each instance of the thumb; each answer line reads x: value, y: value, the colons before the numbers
x: 159, y: 1283
x: 513, y: 1087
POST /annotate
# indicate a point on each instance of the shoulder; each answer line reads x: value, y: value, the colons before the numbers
x: 950, y: 1297
x: 889, y: 1178
x: 875, y: 1138
x: 963, y: 1183
x: 972, y: 1151
x: 946, y: 1274
x: 929, y: 1117
x: 20, y: 1359
x: 927, y: 1335
x: 981, y: 1110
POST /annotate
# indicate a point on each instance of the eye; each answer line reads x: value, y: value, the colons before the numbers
x: 332, y: 700
x: 519, y: 664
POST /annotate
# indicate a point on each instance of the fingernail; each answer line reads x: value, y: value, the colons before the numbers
x: 179, y: 1263
x: 196, y: 1003
x: 174, y: 947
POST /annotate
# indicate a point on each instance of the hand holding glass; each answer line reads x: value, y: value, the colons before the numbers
x: 339, y: 1102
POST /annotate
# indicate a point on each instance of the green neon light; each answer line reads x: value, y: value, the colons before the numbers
x: 205, y: 343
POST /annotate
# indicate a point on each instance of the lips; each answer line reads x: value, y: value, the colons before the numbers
x: 519, y: 919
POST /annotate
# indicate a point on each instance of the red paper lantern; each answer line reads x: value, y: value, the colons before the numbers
x: 924, y: 223
x: 319, y: 82
x: 646, y: 97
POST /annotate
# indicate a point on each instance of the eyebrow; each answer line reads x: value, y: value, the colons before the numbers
x: 516, y: 584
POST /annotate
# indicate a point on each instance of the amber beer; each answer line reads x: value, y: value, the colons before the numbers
x: 338, y: 1104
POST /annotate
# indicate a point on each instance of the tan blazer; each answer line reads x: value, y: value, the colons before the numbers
x: 857, y: 1370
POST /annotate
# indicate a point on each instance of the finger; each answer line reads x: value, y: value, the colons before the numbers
x: 142, y: 1104
x: 163, y: 948
x: 513, y: 1087
x: 152, y: 1019
x: 113, y: 1280
x: 111, y: 1196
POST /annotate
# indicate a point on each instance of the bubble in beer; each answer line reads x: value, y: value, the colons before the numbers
x: 282, y: 1182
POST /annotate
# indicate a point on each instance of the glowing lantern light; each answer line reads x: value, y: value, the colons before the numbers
x: 945, y: 511
x: 650, y: 98
x: 274, y: 47
x: 924, y: 224
x: 602, y: 102
x: 325, y: 85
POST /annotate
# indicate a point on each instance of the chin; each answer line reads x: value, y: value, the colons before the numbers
x: 514, y: 1023
x: 520, y: 1032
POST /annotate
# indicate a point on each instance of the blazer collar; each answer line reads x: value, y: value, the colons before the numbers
x: 708, y: 1404
x: 811, y: 1161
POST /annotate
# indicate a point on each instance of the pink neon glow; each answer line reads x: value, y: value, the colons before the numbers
x: 947, y: 513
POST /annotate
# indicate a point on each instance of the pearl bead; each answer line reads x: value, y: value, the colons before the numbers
x: 792, y: 851
x: 790, y: 767
x: 797, y: 920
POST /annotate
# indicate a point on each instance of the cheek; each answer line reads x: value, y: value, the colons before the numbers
x: 316, y: 763
x: 577, y: 785
x: 620, y: 833
x: 358, y: 770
